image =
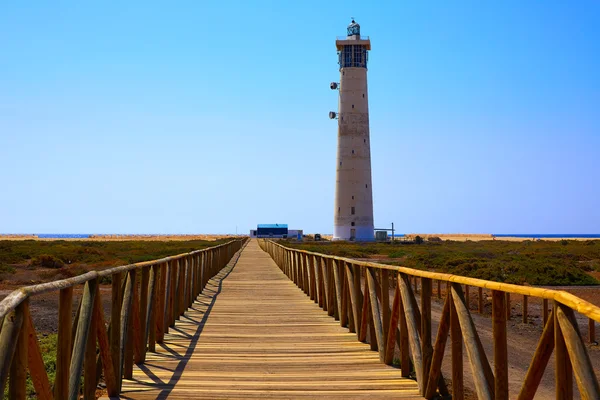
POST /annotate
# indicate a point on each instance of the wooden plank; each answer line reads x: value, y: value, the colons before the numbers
x: 525, y: 310
x: 63, y: 344
x: 500, y: 345
x: 592, y: 331
x: 105, y: 347
x: 480, y: 367
x: 536, y: 369
x: 81, y: 337
x: 18, y: 369
x: 580, y: 359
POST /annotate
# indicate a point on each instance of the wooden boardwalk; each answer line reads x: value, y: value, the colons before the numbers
x: 253, y: 334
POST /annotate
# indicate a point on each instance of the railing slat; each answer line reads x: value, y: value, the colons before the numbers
x: 580, y: 359
x: 426, y: 347
x: 63, y: 344
x: 438, y: 351
x: 35, y: 362
x: 152, y: 310
x: 409, y: 304
x: 482, y: 373
x: 500, y: 345
x: 354, y: 302
x: 563, y: 373
x: 376, y: 313
x: 542, y: 355
x: 403, y: 342
x: 392, y: 329
x: 338, y: 288
x: 364, y: 319
x: 125, y: 323
x: 144, y: 313
x: 105, y: 347
x: 385, y: 302
x: 81, y: 336
x: 457, y: 350
x: 89, y: 364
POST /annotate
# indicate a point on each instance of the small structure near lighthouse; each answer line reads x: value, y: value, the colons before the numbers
x: 353, y: 192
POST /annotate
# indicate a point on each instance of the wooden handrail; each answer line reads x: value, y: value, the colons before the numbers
x: 581, y: 306
x: 139, y: 319
x: 354, y: 293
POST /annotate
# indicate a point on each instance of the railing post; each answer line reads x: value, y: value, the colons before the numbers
x: 457, y: 350
x: 125, y: 324
x: 151, y: 311
x: 89, y: 364
x: 563, y: 373
x: 500, y: 345
x: 63, y: 345
x: 426, y: 346
x: 18, y: 368
x: 81, y: 337
x: 144, y: 311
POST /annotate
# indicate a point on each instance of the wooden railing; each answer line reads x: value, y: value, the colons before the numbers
x: 357, y: 294
x: 139, y: 320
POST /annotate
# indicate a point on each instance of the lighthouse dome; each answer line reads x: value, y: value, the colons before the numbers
x: 353, y: 28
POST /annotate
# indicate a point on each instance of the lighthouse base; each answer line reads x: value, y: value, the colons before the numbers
x: 356, y: 233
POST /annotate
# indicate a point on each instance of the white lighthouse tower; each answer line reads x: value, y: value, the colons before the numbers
x: 353, y: 192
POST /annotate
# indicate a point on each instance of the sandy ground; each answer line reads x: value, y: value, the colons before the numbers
x: 463, y: 237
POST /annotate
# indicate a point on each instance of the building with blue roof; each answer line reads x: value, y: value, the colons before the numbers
x: 275, y: 231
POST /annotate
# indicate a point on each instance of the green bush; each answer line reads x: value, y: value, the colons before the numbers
x: 47, y: 261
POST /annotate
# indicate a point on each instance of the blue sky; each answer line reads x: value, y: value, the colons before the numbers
x: 204, y: 116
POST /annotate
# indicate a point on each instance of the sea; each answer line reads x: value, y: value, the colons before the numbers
x: 396, y: 235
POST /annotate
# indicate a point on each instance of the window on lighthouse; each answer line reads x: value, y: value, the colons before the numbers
x: 352, y: 211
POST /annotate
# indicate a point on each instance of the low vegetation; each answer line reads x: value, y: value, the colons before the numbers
x: 567, y: 262
x: 58, y: 259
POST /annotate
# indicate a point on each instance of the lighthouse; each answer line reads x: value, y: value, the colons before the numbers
x: 353, y: 210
